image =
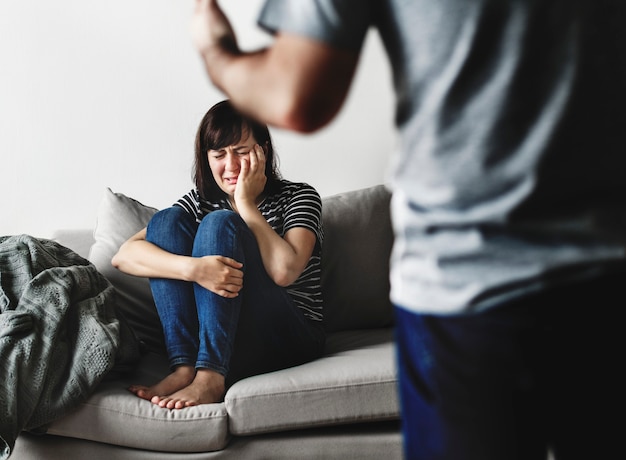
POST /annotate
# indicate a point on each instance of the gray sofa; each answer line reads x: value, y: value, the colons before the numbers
x: 343, y: 405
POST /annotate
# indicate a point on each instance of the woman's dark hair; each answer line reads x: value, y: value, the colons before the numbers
x: 223, y: 125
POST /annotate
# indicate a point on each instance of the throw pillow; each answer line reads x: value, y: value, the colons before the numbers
x: 118, y: 218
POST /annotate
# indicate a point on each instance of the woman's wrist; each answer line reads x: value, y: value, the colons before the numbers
x: 188, y: 268
x: 248, y: 211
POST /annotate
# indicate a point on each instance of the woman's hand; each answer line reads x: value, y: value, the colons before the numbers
x: 219, y: 274
x: 251, y: 181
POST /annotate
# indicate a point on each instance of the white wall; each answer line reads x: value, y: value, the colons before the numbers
x: 109, y: 94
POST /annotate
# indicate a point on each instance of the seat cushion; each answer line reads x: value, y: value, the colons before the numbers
x: 354, y: 382
x: 113, y: 415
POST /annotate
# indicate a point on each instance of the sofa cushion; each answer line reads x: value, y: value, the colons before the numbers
x: 78, y: 240
x: 120, y: 217
x: 354, y: 382
x: 113, y: 415
x: 355, y: 259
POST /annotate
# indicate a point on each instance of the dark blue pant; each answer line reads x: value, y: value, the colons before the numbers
x: 259, y: 331
x: 541, y: 372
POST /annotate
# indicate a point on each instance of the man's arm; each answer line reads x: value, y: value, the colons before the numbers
x: 296, y: 83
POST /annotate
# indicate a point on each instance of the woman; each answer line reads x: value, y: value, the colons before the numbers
x: 234, y: 266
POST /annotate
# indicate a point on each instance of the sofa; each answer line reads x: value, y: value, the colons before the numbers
x: 343, y: 405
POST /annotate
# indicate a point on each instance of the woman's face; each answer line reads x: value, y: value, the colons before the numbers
x: 225, y: 163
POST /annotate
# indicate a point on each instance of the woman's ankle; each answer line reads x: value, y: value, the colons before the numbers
x: 211, y: 379
x: 185, y: 371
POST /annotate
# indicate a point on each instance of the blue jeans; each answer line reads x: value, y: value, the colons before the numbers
x: 541, y: 372
x: 259, y: 331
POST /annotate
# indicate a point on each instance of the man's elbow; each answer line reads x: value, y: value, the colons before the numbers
x: 305, y: 115
x: 306, y: 125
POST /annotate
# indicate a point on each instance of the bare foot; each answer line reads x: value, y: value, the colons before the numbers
x: 177, y: 380
x: 207, y: 388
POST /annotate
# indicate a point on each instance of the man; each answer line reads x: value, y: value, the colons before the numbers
x: 508, y: 201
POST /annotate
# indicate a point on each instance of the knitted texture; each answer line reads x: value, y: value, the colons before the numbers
x: 59, y: 333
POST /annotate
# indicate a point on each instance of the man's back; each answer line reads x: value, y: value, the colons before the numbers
x: 512, y: 161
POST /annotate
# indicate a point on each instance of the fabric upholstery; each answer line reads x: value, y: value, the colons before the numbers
x: 114, y: 415
x: 354, y: 382
x: 119, y: 217
x: 355, y: 259
x: 371, y: 441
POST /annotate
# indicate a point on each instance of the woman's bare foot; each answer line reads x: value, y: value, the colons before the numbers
x: 181, y: 377
x: 206, y: 388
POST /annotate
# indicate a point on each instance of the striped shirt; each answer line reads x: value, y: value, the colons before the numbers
x: 295, y: 205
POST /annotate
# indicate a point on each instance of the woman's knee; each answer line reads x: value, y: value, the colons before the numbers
x: 220, y: 218
x: 217, y: 231
x: 172, y: 229
x: 220, y: 221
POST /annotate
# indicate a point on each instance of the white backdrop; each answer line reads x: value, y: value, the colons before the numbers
x: 109, y: 94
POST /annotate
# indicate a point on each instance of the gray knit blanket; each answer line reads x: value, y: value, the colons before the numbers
x: 59, y: 334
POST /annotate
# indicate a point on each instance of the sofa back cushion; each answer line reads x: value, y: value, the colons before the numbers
x: 355, y: 259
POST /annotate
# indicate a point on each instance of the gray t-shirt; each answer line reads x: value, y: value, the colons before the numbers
x: 511, y: 174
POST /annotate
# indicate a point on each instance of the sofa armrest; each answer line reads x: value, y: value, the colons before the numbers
x: 78, y: 240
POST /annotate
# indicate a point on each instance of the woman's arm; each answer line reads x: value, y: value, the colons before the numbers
x: 139, y: 257
x: 284, y: 258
